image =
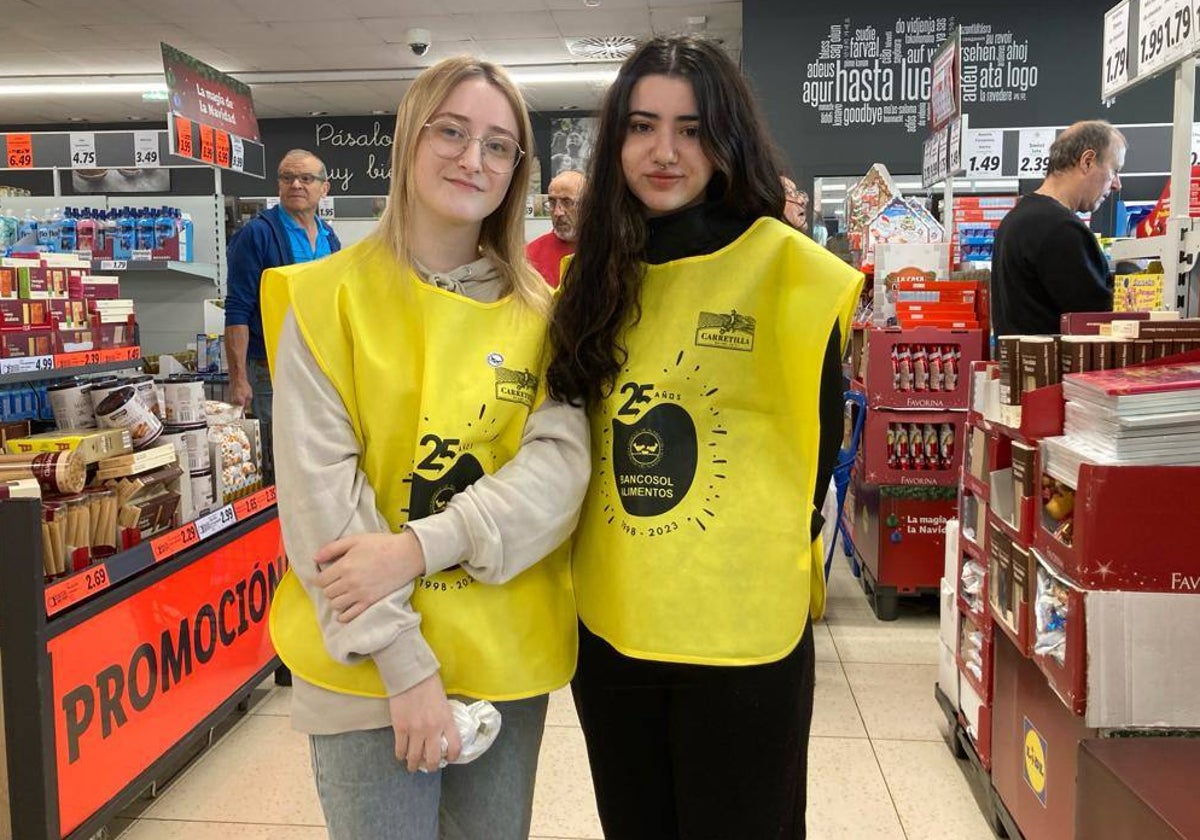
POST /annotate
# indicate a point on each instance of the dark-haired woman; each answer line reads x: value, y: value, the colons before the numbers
x: 705, y: 337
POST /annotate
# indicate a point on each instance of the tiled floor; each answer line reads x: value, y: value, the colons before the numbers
x: 878, y: 763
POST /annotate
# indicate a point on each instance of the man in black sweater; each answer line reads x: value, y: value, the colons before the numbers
x: 1047, y: 261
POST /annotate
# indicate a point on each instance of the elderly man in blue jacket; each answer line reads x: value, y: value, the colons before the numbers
x: 285, y: 234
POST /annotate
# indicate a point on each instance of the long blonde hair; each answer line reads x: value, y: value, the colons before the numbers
x: 502, y: 235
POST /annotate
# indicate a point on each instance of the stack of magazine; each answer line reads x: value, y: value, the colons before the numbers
x: 1147, y: 415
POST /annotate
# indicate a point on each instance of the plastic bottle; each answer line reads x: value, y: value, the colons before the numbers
x: 164, y: 228
x: 126, y: 241
x: 47, y: 231
x: 184, y: 222
x: 68, y: 232
x: 85, y: 230
x: 145, y: 229
x: 28, y: 230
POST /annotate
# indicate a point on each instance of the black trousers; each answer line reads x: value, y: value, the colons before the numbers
x: 696, y: 752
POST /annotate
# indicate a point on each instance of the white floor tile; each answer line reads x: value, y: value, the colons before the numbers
x: 259, y: 773
x: 563, y: 802
x: 835, y: 714
x: 847, y: 799
x: 826, y: 652
x: 931, y: 795
x: 561, y: 711
x: 146, y: 829
x: 860, y: 637
x: 896, y: 701
x: 277, y: 703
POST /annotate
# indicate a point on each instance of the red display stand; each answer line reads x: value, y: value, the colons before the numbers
x: 874, y: 450
x: 882, y: 379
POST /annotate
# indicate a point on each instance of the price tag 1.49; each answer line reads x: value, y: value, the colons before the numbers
x: 1033, y: 151
x: 145, y: 149
x: 83, y: 150
x: 1166, y: 33
x: 982, y: 156
x: 1115, y: 70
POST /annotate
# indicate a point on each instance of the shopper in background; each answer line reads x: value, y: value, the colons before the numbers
x: 408, y: 373
x: 795, y: 211
x: 547, y: 251
x: 1046, y: 260
x: 705, y: 337
x: 285, y: 234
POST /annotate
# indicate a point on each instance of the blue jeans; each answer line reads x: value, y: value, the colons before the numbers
x: 259, y: 375
x: 367, y: 794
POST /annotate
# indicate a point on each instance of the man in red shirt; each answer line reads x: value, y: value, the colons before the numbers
x: 546, y: 252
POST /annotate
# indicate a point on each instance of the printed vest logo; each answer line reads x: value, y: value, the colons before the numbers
x: 726, y: 331
x: 431, y: 495
x: 654, y: 458
x: 516, y: 386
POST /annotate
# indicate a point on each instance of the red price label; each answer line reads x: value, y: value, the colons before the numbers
x: 206, y: 143
x: 20, y: 151
x: 176, y: 541
x: 183, y: 136
x: 69, y: 360
x: 78, y: 587
x: 120, y: 354
x: 247, y: 507
x: 222, y: 149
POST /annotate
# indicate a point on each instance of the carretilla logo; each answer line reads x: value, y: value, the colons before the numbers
x: 726, y: 331
x: 516, y: 386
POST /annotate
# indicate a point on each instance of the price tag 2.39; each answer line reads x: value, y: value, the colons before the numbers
x: 1033, y: 151
x: 1115, y: 70
x: 145, y: 149
x: 83, y: 150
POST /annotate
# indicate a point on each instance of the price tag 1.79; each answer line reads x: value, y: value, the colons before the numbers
x: 1114, y: 72
x: 1166, y: 33
x: 145, y: 149
x: 83, y: 150
x: 1033, y: 151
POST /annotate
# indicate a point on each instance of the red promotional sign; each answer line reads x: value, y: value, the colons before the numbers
x: 222, y: 149
x: 206, y: 144
x: 133, y: 680
x: 183, y: 137
x: 207, y: 96
x: 20, y: 151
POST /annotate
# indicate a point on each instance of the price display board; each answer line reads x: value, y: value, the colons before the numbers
x: 1166, y: 33
x: 20, y: 151
x: 1033, y: 151
x: 1115, y: 63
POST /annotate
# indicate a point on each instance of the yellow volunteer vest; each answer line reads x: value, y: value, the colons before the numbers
x: 693, y: 544
x: 438, y: 388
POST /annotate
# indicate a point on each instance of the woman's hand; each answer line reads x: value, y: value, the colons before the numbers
x: 421, y: 717
x: 358, y: 571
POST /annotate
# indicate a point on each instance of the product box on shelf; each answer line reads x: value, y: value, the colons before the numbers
x: 916, y: 448
x: 26, y: 342
x: 973, y: 585
x: 1034, y: 746
x: 17, y: 314
x: 8, y: 282
x: 974, y: 653
x: 921, y: 367
x: 92, y: 444
x: 1012, y: 593
x: 1123, y: 527
x: 973, y: 514
x: 977, y: 715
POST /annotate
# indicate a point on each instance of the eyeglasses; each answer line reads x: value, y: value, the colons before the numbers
x: 567, y: 204
x: 449, y: 141
x: 305, y: 178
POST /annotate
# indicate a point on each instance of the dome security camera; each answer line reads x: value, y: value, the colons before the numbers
x: 418, y: 41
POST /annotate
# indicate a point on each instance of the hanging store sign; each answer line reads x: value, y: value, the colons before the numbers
x: 208, y: 111
x: 1115, y: 57
x: 945, y: 89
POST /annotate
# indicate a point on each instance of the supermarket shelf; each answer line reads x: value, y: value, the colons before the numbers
x: 978, y: 488
x: 80, y: 586
x: 196, y: 270
x: 1138, y: 249
x: 17, y: 371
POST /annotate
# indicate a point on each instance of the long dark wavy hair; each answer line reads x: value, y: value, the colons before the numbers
x: 600, y: 291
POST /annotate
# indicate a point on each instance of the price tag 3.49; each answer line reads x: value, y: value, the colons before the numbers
x: 145, y: 149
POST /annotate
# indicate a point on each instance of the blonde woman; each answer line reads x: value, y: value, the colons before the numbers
x: 414, y: 442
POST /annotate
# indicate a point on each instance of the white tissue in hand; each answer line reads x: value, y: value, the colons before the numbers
x: 478, y: 725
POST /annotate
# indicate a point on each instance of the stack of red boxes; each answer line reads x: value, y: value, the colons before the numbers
x: 908, y: 463
x: 57, y: 306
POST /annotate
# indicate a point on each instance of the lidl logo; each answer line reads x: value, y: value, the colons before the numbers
x: 1035, y: 762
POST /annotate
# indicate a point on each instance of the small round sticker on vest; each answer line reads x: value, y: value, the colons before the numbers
x: 495, y: 359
